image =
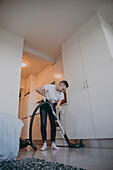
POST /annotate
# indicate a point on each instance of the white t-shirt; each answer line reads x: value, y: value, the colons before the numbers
x: 52, y: 93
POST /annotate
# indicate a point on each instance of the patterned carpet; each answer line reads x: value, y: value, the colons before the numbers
x: 34, y: 164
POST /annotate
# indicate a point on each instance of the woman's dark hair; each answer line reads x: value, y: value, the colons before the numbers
x: 65, y: 83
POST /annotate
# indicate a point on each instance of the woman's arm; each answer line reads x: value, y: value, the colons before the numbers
x: 58, y: 107
x: 41, y: 91
x: 58, y: 103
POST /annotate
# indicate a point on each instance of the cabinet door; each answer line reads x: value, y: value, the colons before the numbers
x: 48, y: 129
x: 25, y: 129
x: 25, y: 106
x: 98, y: 65
x: 78, y: 121
x: 36, y: 130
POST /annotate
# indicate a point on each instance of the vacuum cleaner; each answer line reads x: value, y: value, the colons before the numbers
x: 26, y: 142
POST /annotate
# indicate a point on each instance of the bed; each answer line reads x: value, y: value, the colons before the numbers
x: 10, y: 131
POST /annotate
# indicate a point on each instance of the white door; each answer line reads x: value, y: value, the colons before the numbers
x: 98, y: 65
x: 78, y: 121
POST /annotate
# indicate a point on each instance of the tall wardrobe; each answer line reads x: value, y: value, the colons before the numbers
x: 88, y: 66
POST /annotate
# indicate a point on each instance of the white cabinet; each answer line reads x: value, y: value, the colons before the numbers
x: 27, y: 85
x: 78, y: 113
x: 36, y: 128
x: 98, y: 67
x: 36, y: 131
x: 25, y: 106
x: 88, y: 66
x: 25, y: 132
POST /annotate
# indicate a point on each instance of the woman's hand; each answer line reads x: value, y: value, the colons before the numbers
x: 58, y: 109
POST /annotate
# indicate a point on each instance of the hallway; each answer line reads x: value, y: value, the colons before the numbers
x: 87, y: 158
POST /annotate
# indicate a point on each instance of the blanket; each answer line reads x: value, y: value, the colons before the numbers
x: 10, y: 131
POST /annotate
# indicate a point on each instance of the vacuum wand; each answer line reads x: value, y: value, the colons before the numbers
x: 71, y: 145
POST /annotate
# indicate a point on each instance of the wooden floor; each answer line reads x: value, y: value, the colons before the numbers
x: 87, y: 158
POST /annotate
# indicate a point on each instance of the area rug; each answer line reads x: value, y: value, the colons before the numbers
x: 34, y: 164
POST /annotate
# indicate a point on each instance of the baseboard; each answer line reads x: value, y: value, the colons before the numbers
x: 98, y: 143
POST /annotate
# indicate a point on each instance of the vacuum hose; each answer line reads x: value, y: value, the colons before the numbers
x: 29, y: 141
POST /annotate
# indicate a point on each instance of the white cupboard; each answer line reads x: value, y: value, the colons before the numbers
x: 98, y: 66
x: 36, y: 128
x: 79, y: 117
x: 88, y: 66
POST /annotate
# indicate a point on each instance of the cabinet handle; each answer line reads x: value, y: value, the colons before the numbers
x: 84, y: 84
x: 87, y: 83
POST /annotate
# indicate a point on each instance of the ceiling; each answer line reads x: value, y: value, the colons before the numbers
x: 46, y: 24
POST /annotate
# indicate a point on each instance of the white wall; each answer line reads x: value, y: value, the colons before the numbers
x: 108, y: 31
x: 22, y: 83
x: 11, y: 48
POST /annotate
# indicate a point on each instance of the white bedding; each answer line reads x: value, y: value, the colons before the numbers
x: 10, y: 131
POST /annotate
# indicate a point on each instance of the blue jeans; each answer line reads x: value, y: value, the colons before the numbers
x: 44, y: 109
